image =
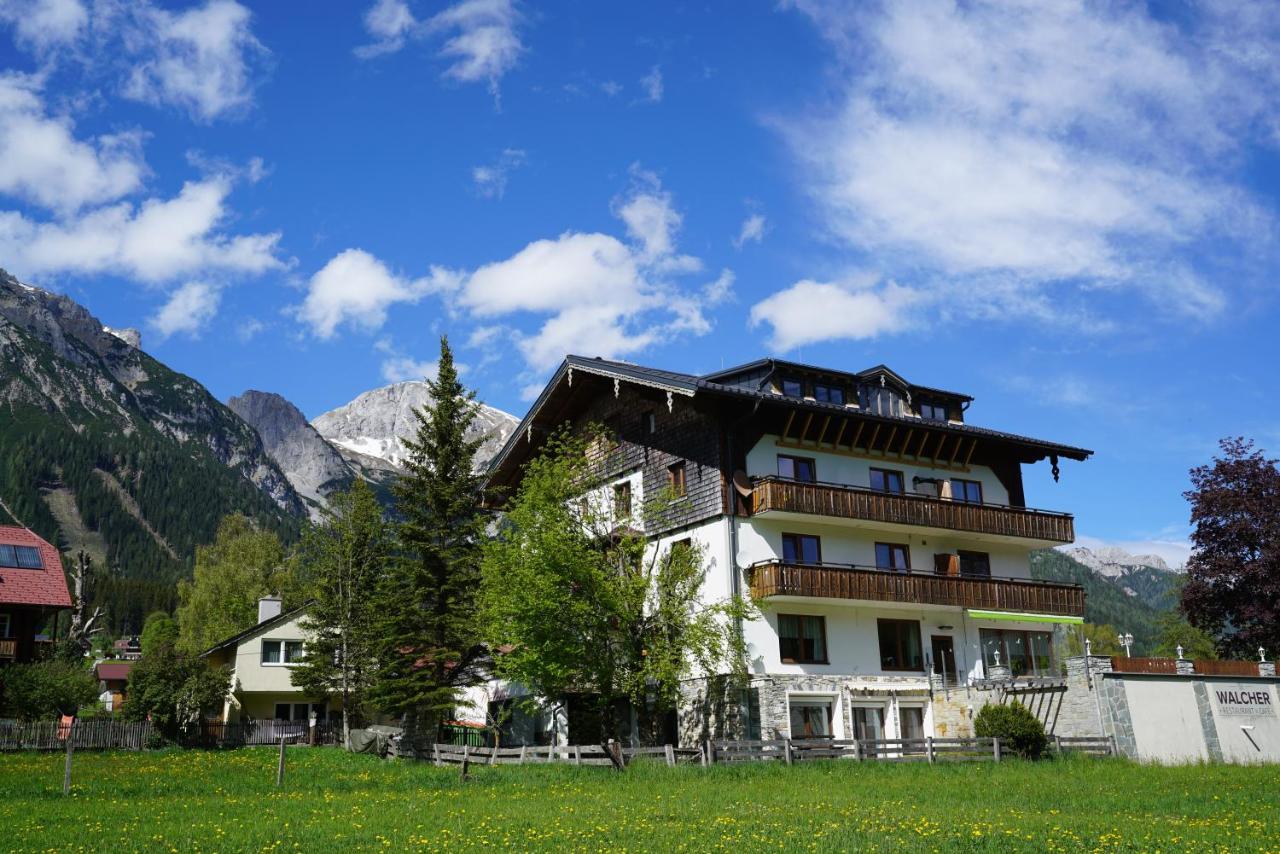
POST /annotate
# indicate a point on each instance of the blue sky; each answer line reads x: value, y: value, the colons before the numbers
x: 1065, y: 209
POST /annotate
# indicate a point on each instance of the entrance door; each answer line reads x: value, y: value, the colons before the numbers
x: 944, y: 658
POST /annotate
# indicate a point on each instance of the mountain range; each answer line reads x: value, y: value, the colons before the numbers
x: 104, y: 448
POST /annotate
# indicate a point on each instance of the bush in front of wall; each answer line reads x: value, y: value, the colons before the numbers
x: 1019, y: 731
x: 45, y: 689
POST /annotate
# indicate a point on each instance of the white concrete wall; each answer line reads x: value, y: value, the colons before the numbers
x: 762, y: 460
x: 1166, y: 723
x: 1247, y: 732
x: 252, y: 674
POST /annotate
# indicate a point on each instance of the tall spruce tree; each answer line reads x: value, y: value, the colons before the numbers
x: 430, y: 644
x: 345, y: 557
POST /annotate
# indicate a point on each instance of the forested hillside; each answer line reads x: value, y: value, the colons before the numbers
x: 106, y: 449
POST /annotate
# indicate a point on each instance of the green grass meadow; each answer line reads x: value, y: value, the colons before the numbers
x: 227, y: 801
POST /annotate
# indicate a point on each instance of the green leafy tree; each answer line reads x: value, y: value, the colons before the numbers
x: 173, y: 688
x: 577, y: 601
x: 1103, y: 640
x: 1176, y: 632
x: 45, y: 689
x: 243, y: 564
x: 430, y: 646
x: 345, y: 555
x: 158, y: 631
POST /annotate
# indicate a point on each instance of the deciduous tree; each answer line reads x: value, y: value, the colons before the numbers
x: 578, y: 601
x: 346, y: 555
x: 1233, y: 577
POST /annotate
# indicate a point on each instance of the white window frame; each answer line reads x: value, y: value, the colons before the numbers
x: 283, y: 646
x: 837, y: 711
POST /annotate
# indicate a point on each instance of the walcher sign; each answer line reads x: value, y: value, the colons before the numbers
x: 1243, y: 700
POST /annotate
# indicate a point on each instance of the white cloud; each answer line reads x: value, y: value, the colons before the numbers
x: 41, y: 160
x: 250, y: 328
x: 200, y: 60
x: 752, y: 231
x: 651, y: 83
x: 156, y: 241
x: 482, y: 37
x: 188, y: 310
x: 590, y: 293
x: 356, y: 288
x: 809, y: 312
x: 45, y: 24
x: 491, y: 180
x: 1003, y: 150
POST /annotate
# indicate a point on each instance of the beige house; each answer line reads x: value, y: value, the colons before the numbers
x: 261, y: 660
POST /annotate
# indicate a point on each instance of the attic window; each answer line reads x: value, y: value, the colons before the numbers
x: 828, y: 393
x: 933, y: 411
x: 21, y: 557
x: 792, y: 387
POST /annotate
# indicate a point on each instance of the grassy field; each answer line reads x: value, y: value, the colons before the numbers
x: 206, y: 801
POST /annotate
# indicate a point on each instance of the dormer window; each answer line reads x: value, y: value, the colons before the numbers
x: 792, y: 387
x: 933, y: 411
x: 828, y: 393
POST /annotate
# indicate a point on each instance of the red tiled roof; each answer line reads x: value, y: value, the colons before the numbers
x: 109, y: 670
x: 46, y: 586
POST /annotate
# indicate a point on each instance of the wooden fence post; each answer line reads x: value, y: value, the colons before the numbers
x: 928, y: 748
x: 280, y: 767
x: 995, y: 747
x: 711, y: 752
x: 857, y: 750
x: 523, y: 748
x: 671, y: 756
x: 1112, y: 741
x: 435, y: 754
x: 1057, y: 744
x: 66, y: 771
x: 786, y: 750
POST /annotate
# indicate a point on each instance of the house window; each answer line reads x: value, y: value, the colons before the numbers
x: 797, y: 468
x: 977, y: 564
x: 20, y: 557
x: 801, y: 548
x: 675, y: 479
x: 933, y: 411
x: 911, y: 727
x: 793, y: 388
x: 810, y: 717
x: 299, y: 711
x: 900, y: 645
x: 968, y: 491
x: 802, y: 639
x: 4, y: 625
x: 622, y: 500
x: 868, y: 723
x: 828, y: 393
x: 886, y: 480
x: 1024, y: 653
x: 649, y: 423
x: 896, y: 556
x: 281, y: 652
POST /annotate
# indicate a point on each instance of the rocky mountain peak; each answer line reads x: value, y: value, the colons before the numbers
x: 1115, y: 562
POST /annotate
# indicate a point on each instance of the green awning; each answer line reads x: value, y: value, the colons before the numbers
x: 1024, y: 618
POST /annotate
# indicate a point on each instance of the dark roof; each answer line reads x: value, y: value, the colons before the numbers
x: 716, y: 376
x: 46, y: 586
x: 282, y: 617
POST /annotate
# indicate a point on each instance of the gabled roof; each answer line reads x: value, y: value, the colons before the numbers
x: 868, y: 374
x: 46, y: 586
x: 277, y: 620
x: 113, y: 670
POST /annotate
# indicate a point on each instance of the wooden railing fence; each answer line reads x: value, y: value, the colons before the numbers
x: 108, y: 734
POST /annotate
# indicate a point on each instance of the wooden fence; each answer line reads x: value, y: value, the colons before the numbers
x: 107, y: 734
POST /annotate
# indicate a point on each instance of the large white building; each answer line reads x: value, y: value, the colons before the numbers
x: 885, y: 539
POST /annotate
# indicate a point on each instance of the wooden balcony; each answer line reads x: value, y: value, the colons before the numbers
x: 843, y: 581
x: 8, y: 648
x: 850, y: 502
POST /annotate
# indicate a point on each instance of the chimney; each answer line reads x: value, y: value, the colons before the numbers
x: 268, y: 607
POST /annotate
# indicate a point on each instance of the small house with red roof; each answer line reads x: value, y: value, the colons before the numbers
x: 33, y: 588
x: 113, y: 682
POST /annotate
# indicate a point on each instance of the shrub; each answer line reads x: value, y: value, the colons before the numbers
x: 1015, y: 726
x: 46, y: 689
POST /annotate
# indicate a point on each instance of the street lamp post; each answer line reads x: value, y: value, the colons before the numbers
x: 1126, y: 641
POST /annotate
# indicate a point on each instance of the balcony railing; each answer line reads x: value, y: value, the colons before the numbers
x: 8, y: 648
x: 854, y: 502
x: 847, y: 581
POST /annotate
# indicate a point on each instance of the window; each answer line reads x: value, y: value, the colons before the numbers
x: 649, y: 423
x: 282, y: 711
x: 933, y: 411
x: 622, y: 500
x: 911, y: 726
x: 797, y: 468
x: 4, y: 625
x: 675, y: 479
x: 893, y: 556
x: 968, y: 491
x: 801, y: 548
x: 828, y: 393
x: 802, y: 639
x: 868, y: 723
x: 20, y: 557
x: 900, y: 645
x: 1024, y: 653
x: 792, y: 388
x: 810, y: 718
x: 886, y: 480
x: 299, y: 711
x: 977, y: 564
x: 281, y: 652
